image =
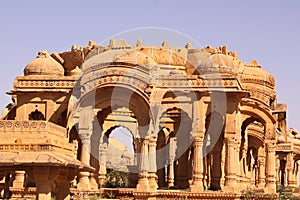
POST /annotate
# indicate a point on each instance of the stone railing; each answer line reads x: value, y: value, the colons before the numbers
x: 13, y: 126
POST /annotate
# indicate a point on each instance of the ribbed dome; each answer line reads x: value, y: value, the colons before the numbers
x: 253, y: 73
x: 218, y: 63
x: 44, y: 64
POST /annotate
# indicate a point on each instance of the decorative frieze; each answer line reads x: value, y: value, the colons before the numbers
x: 31, y: 127
x: 45, y: 84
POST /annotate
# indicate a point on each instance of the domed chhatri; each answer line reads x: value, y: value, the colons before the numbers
x: 253, y: 73
x: 218, y: 63
x: 44, y: 64
x: 211, y: 61
x: 198, y: 119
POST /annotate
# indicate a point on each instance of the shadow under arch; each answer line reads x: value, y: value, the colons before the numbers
x: 213, y: 146
x: 252, y: 148
x: 103, y: 129
x: 121, y: 96
x: 75, y: 139
x: 178, y: 125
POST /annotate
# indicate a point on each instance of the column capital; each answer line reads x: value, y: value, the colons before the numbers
x: 271, y: 146
x: 85, y: 138
x: 198, y: 139
x: 145, y: 141
x: 230, y: 136
x: 230, y: 141
x: 270, y: 142
x: 152, y: 140
x: 198, y: 133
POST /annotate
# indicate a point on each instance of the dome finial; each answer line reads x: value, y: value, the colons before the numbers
x: 43, y: 54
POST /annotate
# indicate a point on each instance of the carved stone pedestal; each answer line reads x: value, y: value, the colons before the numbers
x: 84, y: 182
x: 19, y: 179
x: 143, y: 183
x: 93, y: 182
x: 153, y: 181
x: 101, y: 180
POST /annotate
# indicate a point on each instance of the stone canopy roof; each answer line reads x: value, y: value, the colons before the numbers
x: 8, y: 159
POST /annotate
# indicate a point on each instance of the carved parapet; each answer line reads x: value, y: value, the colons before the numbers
x: 22, y: 136
x: 36, y: 83
x: 194, y: 82
x: 31, y: 127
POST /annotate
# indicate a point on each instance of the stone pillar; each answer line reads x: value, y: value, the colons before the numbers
x: 102, y: 164
x: 143, y: 182
x: 152, y: 164
x: 290, y: 170
x: 63, y: 188
x: 230, y: 163
x: 270, y: 167
x: 172, y: 152
x: 261, y: 168
x: 44, y: 178
x: 207, y: 174
x: 277, y: 171
x: 43, y: 190
x: 223, y: 158
x: 84, y: 182
x: 93, y: 181
x: 197, y: 184
x: 19, y: 179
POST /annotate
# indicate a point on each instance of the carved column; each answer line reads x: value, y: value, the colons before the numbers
x: 44, y: 178
x: 290, y: 170
x: 197, y: 185
x: 85, y: 131
x: 143, y: 182
x: 19, y: 179
x: 270, y: 167
x: 63, y: 187
x: 84, y: 182
x: 102, y: 164
x: 94, y: 131
x: 261, y: 168
x: 277, y: 170
x: 172, y: 152
x: 223, y: 158
x: 152, y: 164
x: 230, y: 163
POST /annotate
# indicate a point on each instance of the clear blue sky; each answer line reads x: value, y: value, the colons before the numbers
x: 267, y: 31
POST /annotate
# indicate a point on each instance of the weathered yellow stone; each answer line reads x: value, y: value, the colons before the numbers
x: 196, y: 118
